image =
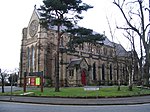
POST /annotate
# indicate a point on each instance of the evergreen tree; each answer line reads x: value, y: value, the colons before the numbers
x: 61, y: 13
x: 81, y: 35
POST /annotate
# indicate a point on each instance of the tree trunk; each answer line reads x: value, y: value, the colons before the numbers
x: 147, y: 66
x: 57, y: 72
x: 146, y: 69
x: 118, y: 76
x: 57, y: 61
x: 140, y: 62
x: 3, y: 84
x: 130, y: 80
x: 131, y: 70
x: 119, y: 85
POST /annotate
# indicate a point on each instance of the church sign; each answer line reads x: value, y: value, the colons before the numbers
x: 33, y: 79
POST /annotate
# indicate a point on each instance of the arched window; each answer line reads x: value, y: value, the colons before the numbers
x: 28, y: 57
x: 103, y: 71
x: 62, y: 42
x: 118, y: 77
x: 110, y: 72
x: 33, y: 57
x: 71, y: 72
x: 94, y: 71
x: 111, y: 53
x: 105, y: 51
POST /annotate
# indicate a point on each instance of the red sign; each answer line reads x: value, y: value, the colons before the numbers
x: 32, y: 81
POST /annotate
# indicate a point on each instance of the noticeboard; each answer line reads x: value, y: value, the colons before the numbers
x: 37, y: 81
x: 34, y: 81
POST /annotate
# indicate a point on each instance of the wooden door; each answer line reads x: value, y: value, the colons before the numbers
x: 83, y: 77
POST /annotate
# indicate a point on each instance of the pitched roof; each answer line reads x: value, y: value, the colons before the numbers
x: 75, y: 62
x: 108, y: 42
x: 120, y: 51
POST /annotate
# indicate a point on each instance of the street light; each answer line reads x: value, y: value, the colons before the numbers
x: 62, y: 50
x: 11, y: 86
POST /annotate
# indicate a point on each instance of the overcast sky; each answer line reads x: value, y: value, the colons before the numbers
x: 16, y: 14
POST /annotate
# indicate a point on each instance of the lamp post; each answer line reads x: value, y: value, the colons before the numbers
x: 101, y: 44
x: 62, y: 50
x: 11, y: 86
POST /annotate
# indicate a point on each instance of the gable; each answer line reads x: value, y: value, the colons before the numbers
x: 74, y: 62
x: 84, y: 64
x: 35, y: 17
x: 81, y: 62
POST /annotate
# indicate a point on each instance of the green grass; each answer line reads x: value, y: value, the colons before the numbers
x: 79, y: 92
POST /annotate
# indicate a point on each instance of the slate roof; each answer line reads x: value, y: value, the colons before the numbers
x: 108, y: 42
x: 120, y: 51
x: 75, y: 62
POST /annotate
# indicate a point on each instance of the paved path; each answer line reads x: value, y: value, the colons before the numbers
x: 76, y: 101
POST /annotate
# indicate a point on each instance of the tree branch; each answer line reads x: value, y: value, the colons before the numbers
x: 135, y: 14
x: 146, y: 27
x: 123, y: 28
x: 131, y: 2
x: 130, y: 25
x: 143, y: 25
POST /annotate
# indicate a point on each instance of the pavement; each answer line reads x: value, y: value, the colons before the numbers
x: 77, y: 101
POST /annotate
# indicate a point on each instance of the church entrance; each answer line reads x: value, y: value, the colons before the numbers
x: 83, y: 77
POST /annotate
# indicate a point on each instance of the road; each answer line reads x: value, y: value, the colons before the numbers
x: 14, y: 88
x: 8, y: 88
x: 21, y: 107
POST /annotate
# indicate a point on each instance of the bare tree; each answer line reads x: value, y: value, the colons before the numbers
x: 135, y: 12
x: 131, y: 69
x: 115, y: 55
x: 3, y: 76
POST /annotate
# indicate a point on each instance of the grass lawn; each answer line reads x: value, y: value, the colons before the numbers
x: 80, y: 92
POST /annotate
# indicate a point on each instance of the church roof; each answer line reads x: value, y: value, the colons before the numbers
x: 108, y: 42
x: 120, y: 51
x: 37, y: 12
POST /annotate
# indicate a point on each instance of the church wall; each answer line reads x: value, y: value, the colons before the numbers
x: 23, y: 57
x: 108, y: 80
x: 43, y: 56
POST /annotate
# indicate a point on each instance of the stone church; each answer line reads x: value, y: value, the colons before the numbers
x: 89, y: 65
